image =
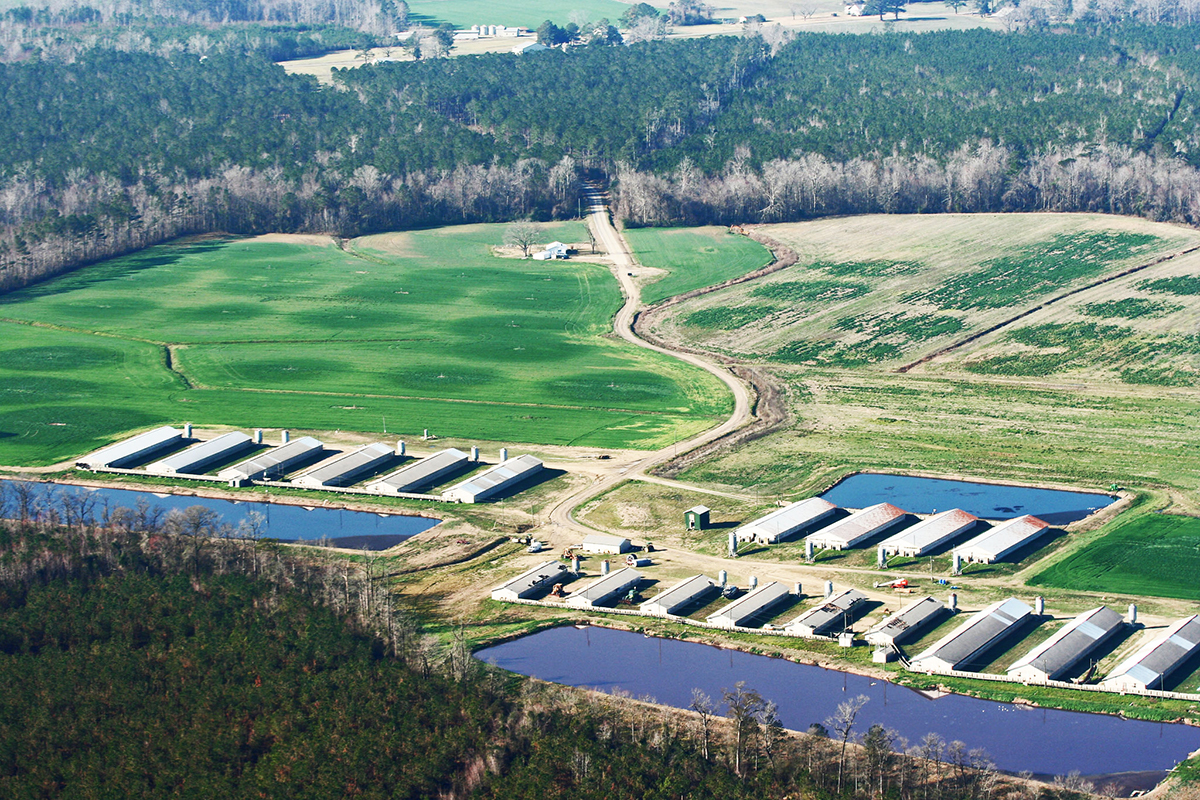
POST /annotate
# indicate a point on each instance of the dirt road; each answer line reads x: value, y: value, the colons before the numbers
x: 563, y: 528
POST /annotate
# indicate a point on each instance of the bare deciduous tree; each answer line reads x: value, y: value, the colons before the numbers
x: 523, y: 234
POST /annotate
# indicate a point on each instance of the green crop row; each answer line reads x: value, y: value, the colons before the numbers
x: 818, y: 291
x: 1037, y: 269
x: 915, y: 327
x: 728, y: 319
x: 1180, y: 284
x: 1129, y: 308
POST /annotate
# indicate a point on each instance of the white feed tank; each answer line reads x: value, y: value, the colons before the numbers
x: 722, y: 578
x: 808, y: 550
x: 258, y: 436
x: 953, y: 604
x: 475, y: 453
x: 828, y: 589
x: 1132, y: 613
x: 399, y: 448
x: 1039, y: 605
x: 504, y: 454
x: 753, y: 582
x: 187, y: 430
x: 285, y: 437
x: 604, y: 567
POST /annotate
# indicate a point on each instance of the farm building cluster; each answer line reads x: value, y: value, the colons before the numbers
x: 375, y: 468
x: 827, y: 527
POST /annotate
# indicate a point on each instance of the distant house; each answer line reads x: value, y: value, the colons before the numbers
x: 529, y: 47
x: 554, y: 250
x: 855, y: 9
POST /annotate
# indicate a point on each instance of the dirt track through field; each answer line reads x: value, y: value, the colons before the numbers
x: 563, y: 525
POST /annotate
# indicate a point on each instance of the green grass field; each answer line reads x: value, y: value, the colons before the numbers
x: 527, y: 13
x: 423, y: 330
x: 694, y: 257
x: 1154, y: 554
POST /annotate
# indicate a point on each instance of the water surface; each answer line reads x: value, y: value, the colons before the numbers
x: 1045, y: 742
x: 359, y: 530
x: 986, y: 500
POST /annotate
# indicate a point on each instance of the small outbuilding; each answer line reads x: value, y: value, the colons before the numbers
x: 529, y: 47
x: 696, y: 518
x: 603, y: 543
x: 554, y: 251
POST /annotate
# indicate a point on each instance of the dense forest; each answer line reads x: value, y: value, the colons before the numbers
x: 149, y: 655
x: 110, y: 150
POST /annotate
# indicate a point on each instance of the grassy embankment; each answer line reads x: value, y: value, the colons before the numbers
x: 409, y: 331
x: 693, y: 258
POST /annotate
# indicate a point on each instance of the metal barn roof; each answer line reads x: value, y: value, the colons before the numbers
x: 678, y: 595
x: 141, y: 445
x: 530, y: 581
x: 858, y: 526
x: 833, y: 611
x: 342, y: 471
x: 274, y: 463
x: 1069, y: 645
x: 929, y: 533
x: 778, y: 525
x: 198, y: 456
x: 421, y: 473
x: 974, y: 636
x: 605, y: 588
x: 906, y: 622
x: 486, y: 484
x: 748, y: 605
x: 1001, y: 540
x: 1154, y: 661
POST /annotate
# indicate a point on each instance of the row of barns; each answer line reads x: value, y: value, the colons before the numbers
x: 964, y: 648
x: 1150, y: 667
x: 831, y: 614
x: 306, y: 463
x: 826, y: 530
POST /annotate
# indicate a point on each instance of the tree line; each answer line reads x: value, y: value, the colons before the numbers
x: 108, y: 151
x: 151, y: 653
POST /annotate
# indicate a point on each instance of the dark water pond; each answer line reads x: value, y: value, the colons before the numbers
x: 987, y: 500
x: 359, y: 530
x: 1043, y: 741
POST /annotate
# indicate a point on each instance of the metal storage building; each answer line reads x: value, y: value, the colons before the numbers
x: 1151, y: 665
x: 274, y: 463
x: 346, y: 468
x: 605, y: 543
x: 907, y: 622
x: 750, y: 605
x: 494, y: 480
x: 194, y: 460
x: 531, y: 581
x: 424, y: 472
x: 779, y: 525
x: 858, y: 527
x: 131, y: 451
x: 1001, y: 540
x: 836, y: 612
x: 1068, y: 646
x: 974, y: 636
x: 929, y: 533
x: 678, y: 596
x: 608, y: 587
x: 696, y: 518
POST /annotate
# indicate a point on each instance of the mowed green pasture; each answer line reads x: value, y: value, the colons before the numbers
x: 693, y: 258
x: 422, y: 330
x: 527, y: 13
x: 1154, y: 554
x: 887, y: 290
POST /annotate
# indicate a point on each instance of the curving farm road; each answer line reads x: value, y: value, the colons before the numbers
x: 562, y: 520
